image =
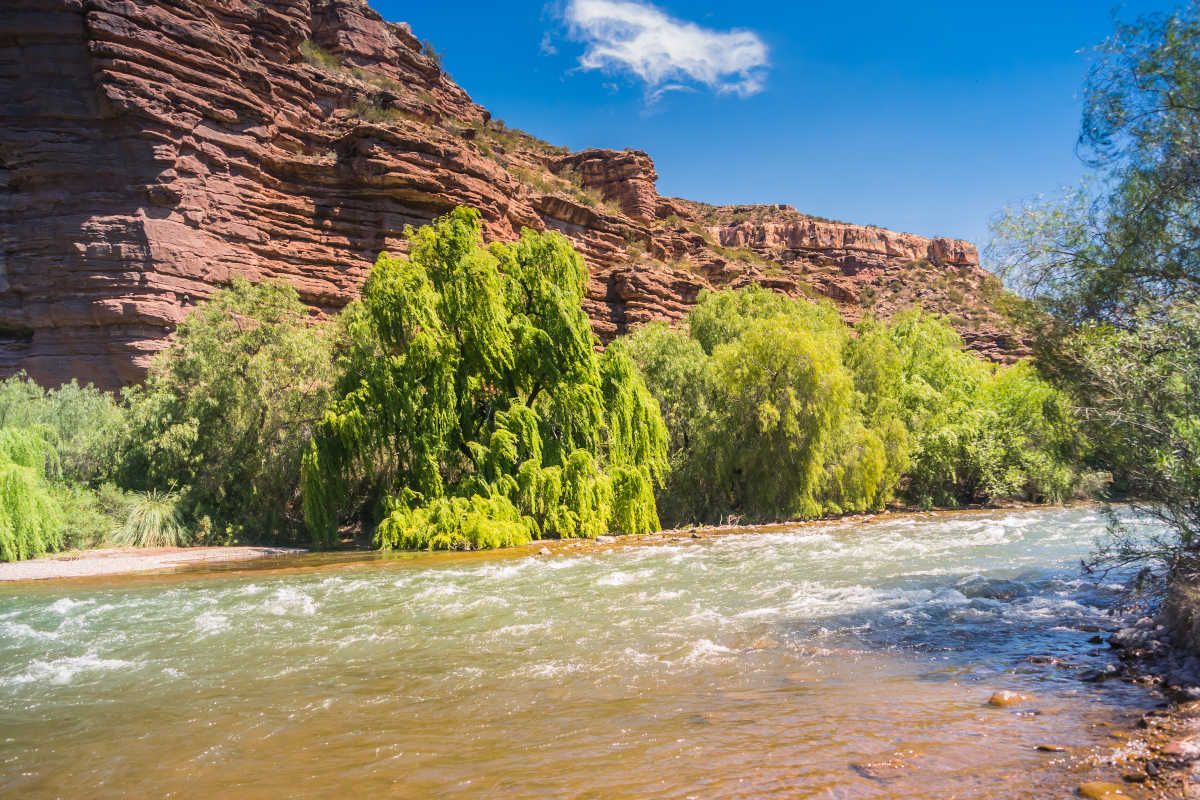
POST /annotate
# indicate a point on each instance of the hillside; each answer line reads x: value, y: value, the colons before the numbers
x: 152, y: 150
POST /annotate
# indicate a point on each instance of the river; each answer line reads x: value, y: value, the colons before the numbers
x: 848, y: 660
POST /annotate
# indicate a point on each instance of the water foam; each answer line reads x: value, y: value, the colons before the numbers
x: 62, y: 671
x: 288, y: 600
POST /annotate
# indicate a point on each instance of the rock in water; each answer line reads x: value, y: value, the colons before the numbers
x: 1099, y: 790
x: 152, y: 151
x: 1004, y: 699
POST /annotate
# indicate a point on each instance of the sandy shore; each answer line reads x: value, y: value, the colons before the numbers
x: 121, y: 560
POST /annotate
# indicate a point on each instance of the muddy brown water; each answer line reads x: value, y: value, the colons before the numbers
x: 829, y: 661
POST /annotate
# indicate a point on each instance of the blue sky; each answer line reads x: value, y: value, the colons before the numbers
x: 926, y: 117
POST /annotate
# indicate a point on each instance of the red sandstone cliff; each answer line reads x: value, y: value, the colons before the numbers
x: 152, y: 149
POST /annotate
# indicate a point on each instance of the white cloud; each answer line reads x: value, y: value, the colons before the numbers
x: 666, y: 54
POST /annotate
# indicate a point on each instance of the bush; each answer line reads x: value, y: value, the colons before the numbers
x: 84, y: 426
x: 775, y: 411
x: 153, y: 521
x: 227, y: 410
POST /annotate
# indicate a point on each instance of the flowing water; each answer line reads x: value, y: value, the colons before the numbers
x: 834, y: 661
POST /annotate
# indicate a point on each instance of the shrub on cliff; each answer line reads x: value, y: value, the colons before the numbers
x: 472, y: 409
x: 226, y: 412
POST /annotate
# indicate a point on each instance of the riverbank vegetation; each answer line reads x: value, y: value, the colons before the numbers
x: 472, y: 409
x: 1115, y: 267
x: 778, y: 409
x: 464, y: 402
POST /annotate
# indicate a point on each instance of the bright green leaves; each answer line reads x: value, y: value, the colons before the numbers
x: 637, y: 436
x: 776, y: 411
x: 784, y: 393
x: 31, y: 520
x: 472, y: 395
x: 455, y: 523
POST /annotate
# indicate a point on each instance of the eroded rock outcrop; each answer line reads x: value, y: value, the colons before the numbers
x: 151, y: 150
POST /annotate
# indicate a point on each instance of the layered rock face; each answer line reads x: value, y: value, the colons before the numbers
x: 152, y: 150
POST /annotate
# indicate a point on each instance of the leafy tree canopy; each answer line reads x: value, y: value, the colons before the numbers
x: 226, y: 411
x: 472, y: 407
x: 776, y: 411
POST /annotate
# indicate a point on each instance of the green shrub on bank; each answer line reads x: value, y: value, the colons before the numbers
x: 153, y: 519
x: 226, y: 412
x: 777, y: 409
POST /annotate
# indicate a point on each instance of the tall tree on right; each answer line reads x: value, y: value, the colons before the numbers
x: 1116, y: 264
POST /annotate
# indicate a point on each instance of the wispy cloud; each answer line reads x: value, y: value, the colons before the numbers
x: 666, y: 54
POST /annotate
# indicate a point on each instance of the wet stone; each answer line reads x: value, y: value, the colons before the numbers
x: 1099, y: 790
x: 1004, y: 699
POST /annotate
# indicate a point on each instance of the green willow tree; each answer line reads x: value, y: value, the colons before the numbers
x: 31, y: 518
x: 472, y: 408
x: 776, y: 411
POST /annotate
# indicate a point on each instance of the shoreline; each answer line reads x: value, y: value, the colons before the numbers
x: 135, y: 561
x: 132, y: 560
x: 1164, y: 747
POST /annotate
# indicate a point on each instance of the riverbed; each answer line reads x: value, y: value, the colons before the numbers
x: 831, y: 661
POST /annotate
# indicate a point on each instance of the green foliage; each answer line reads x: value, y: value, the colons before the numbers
x: 91, y: 515
x: 472, y: 402
x: 83, y: 425
x: 455, y: 523
x: 784, y: 393
x: 227, y: 410
x: 776, y: 411
x: 1142, y: 409
x: 153, y: 520
x: 1116, y: 263
x: 31, y: 522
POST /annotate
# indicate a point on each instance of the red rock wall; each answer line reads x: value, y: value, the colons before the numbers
x: 151, y: 150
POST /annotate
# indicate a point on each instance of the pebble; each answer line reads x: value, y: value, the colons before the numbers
x: 1004, y: 699
x: 695, y: 535
x: 1051, y: 748
x: 605, y: 539
x: 545, y: 551
x: 1099, y: 790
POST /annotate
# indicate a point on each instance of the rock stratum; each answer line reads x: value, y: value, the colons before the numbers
x: 152, y: 150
